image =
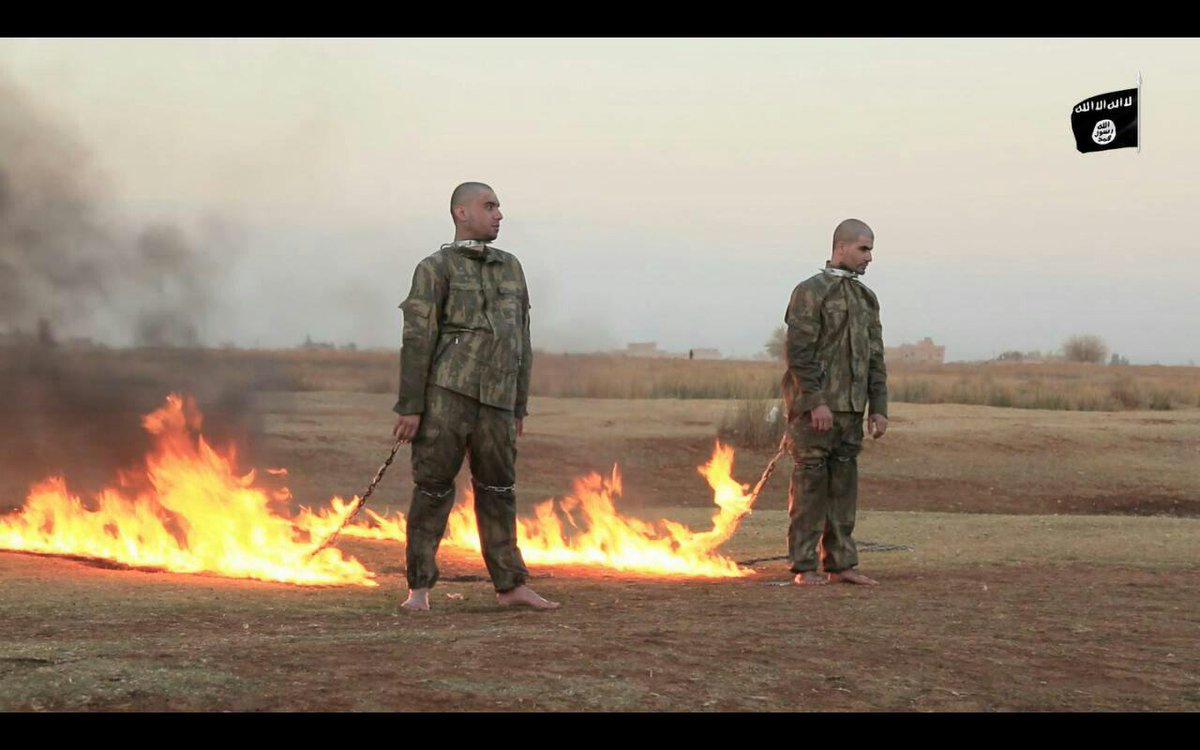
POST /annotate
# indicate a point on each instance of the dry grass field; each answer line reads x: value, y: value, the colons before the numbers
x: 1055, y: 386
x: 1047, y: 561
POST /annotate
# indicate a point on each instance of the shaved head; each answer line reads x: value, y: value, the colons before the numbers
x: 465, y: 192
x: 850, y: 230
x: 853, y: 242
x: 476, y: 212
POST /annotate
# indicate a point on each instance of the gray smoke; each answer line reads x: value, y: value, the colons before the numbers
x: 69, y: 269
x: 65, y: 260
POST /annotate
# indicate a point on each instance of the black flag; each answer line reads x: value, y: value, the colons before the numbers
x: 1106, y: 121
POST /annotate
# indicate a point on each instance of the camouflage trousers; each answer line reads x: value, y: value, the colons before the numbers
x: 823, y: 494
x: 451, y: 426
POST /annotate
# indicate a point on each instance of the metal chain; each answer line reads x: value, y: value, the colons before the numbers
x: 860, y: 546
x: 767, y: 472
x: 362, y: 500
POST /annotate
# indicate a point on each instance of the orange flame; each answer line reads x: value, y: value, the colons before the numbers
x: 597, y: 535
x: 189, y: 511
x: 194, y: 513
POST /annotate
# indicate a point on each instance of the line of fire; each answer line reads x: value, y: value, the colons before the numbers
x: 190, y: 509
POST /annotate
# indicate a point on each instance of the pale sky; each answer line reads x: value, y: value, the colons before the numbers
x: 658, y: 190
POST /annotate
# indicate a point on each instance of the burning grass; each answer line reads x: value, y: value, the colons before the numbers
x: 189, y: 510
x: 585, y: 529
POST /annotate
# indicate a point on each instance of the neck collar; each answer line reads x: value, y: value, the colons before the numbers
x: 474, y: 249
x: 832, y: 271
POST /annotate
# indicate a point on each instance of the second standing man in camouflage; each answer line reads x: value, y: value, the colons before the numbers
x: 464, y: 386
x: 835, y: 372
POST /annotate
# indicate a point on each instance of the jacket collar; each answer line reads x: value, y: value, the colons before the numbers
x: 476, y: 249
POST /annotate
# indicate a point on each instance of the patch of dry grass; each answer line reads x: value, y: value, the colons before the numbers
x: 1062, y: 386
x: 616, y: 376
x: 752, y: 423
x: 1065, y: 386
x: 1059, y: 386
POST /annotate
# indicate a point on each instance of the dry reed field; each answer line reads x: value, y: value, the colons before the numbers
x: 1055, y: 386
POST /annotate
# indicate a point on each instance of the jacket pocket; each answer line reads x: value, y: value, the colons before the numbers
x: 464, y: 304
x: 508, y: 301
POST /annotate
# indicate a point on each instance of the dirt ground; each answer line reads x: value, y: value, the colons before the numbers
x: 936, y: 457
x: 1049, y: 562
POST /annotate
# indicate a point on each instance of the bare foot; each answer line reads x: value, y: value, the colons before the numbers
x: 524, y: 596
x: 810, y: 578
x: 853, y: 576
x: 418, y: 600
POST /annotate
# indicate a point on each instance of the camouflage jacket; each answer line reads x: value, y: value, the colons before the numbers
x: 466, y: 329
x: 834, y: 347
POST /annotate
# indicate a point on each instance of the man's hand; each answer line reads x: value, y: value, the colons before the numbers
x: 520, y: 426
x: 406, y: 427
x: 878, y: 424
x: 822, y: 418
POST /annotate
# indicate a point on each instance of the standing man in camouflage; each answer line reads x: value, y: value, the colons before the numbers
x: 835, y: 373
x: 464, y: 387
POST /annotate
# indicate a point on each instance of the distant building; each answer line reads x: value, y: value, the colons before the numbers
x: 310, y: 344
x: 644, y: 349
x: 650, y: 350
x: 925, y: 352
